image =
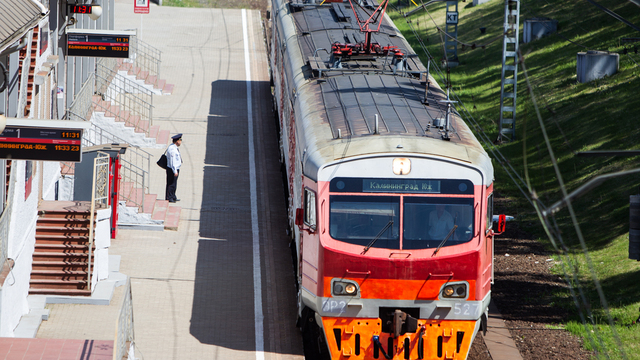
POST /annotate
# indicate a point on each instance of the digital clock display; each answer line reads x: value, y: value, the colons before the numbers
x: 28, y: 143
x: 80, y: 9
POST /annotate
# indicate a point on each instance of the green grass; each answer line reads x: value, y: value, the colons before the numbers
x: 600, y: 115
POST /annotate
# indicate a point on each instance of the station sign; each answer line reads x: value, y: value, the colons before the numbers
x: 38, y: 142
x: 98, y: 43
x: 452, y: 17
x: 141, y: 6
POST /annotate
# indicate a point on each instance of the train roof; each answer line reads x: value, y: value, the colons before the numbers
x: 343, y: 102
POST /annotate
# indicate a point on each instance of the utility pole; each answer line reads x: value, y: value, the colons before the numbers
x: 509, y: 81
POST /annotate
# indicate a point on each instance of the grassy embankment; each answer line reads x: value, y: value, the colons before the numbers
x: 600, y: 115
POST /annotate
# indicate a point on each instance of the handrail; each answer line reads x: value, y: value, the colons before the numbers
x: 145, y: 57
x: 79, y: 109
x: 5, y: 221
x: 99, y: 195
x: 134, y: 99
x: 136, y: 162
x: 124, y: 327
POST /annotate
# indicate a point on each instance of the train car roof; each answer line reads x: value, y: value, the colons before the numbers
x: 343, y: 102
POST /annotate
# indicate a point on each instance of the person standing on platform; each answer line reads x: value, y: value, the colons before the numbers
x: 174, y: 161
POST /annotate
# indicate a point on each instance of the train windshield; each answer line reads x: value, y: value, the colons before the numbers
x: 427, y: 221
x: 359, y: 219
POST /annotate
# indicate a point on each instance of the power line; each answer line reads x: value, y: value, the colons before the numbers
x: 616, y: 16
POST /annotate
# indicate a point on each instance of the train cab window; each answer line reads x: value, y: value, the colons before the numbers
x: 309, y: 208
x: 490, y: 212
x: 428, y: 220
x: 359, y: 219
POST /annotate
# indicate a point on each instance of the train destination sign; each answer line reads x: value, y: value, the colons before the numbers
x: 41, y: 143
x: 401, y: 186
x: 98, y: 43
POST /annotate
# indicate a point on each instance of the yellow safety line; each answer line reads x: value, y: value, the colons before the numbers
x: 414, y: 3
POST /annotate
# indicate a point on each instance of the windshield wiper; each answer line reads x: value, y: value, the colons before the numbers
x: 445, y: 239
x: 366, y: 248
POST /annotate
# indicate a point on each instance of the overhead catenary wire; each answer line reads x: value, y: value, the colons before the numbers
x: 553, y: 234
x: 573, y: 216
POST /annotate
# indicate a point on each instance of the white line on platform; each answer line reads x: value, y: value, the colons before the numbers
x: 257, y: 280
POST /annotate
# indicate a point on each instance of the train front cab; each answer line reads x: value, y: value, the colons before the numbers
x: 407, y: 300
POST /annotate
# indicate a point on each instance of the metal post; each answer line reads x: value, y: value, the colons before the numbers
x: 451, y: 28
x: 510, y: 46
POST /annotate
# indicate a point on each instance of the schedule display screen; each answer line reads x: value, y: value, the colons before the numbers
x: 98, y: 45
x: 30, y: 143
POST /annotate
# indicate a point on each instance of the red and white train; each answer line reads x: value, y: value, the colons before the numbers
x: 390, y: 193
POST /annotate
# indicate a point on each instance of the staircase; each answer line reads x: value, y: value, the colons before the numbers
x: 140, y: 74
x: 61, y: 256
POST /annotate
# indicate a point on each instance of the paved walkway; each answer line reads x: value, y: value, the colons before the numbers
x: 193, y: 289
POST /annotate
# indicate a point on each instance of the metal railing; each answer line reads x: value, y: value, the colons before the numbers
x: 99, y: 196
x: 135, y: 102
x: 83, y: 102
x: 136, y: 162
x: 24, y: 78
x: 125, y: 335
x: 5, y: 221
x: 145, y: 56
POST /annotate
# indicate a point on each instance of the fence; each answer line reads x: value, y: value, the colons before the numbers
x: 146, y: 57
x: 136, y: 162
x: 82, y: 104
x: 134, y: 102
x: 125, y: 335
x: 99, y: 196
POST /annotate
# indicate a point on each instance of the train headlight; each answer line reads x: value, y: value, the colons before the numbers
x: 350, y: 289
x: 401, y: 166
x: 341, y: 287
x: 458, y: 291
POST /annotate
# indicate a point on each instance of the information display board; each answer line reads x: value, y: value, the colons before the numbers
x: 97, y: 43
x: 31, y: 143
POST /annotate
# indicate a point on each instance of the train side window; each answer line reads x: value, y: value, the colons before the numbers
x: 490, y: 212
x: 309, y: 208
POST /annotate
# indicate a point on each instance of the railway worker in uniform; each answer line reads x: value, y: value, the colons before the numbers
x: 440, y: 223
x: 174, y: 161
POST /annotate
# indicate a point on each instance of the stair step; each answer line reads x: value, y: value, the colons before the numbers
x: 67, y: 292
x: 124, y: 115
x: 149, y: 203
x: 125, y: 190
x: 160, y: 210
x: 58, y: 284
x: 62, y: 222
x: 112, y: 111
x: 61, y: 239
x: 142, y: 75
x: 132, y: 120
x: 62, y: 248
x: 56, y: 230
x: 173, y: 218
x: 160, y: 84
x: 62, y: 257
x: 151, y: 80
x: 153, y: 131
x: 136, y: 198
x: 59, y: 274
x: 163, y: 137
x: 142, y: 127
x: 167, y: 89
x: 63, y: 214
x: 59, y: 265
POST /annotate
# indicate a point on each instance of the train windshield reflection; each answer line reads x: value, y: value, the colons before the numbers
x: 359, y: 219
x: 426, y: 220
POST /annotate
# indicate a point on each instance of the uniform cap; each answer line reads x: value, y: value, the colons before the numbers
x: 176, y: 137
